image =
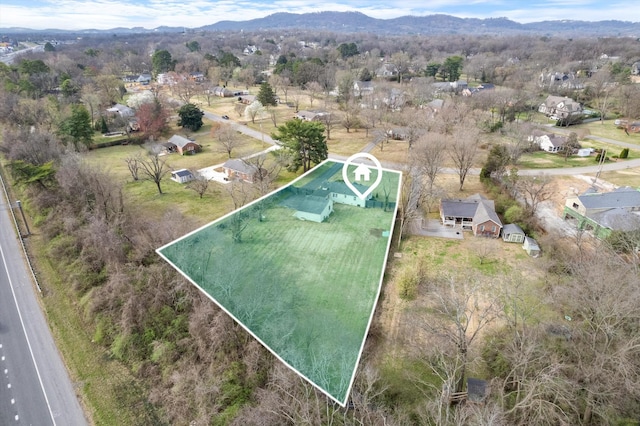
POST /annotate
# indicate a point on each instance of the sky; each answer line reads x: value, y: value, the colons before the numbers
x: 106, y: 14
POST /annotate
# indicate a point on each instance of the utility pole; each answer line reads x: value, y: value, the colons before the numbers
x: 603, y: 157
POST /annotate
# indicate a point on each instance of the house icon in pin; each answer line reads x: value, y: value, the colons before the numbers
x: 362, y: 173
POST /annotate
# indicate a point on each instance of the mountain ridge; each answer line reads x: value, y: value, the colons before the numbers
x: 357, y: 22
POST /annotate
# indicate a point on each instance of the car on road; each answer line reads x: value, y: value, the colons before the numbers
x: 226, y: 117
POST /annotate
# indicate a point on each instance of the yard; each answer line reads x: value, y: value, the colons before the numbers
x: 305, y: 290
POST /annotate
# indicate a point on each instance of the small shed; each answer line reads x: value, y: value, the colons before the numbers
x: 584, y: 152
x: 512, y: 233
x: 182, y: 176
x: 531, y: 247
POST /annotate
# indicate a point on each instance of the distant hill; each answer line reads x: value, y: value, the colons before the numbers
x: 356, y: 22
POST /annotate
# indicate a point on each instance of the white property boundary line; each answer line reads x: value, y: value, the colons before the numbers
x: 375, y: 301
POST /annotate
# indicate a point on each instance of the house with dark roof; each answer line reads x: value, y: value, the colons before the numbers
x: 603, y: 213
x: 121, y: 110
x: 475, y: 213
x: 182, y: 145
x: 558, y: 107
x: 241, y: 170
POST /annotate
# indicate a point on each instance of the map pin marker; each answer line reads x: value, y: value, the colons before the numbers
x: 362, y: 173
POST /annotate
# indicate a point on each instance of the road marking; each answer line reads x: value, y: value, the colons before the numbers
x: 13, y: 401
x: 6, y: 371
x: 24, y: 330
x: 8, y: 385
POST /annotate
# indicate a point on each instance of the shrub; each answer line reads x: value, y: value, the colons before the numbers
x: 624, y: 153
x: 408, y: 280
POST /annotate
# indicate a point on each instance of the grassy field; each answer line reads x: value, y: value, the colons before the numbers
x: 608, y: 129
x: 305, y: 289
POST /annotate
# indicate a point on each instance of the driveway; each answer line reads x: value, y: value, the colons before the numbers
x: 433, y: 228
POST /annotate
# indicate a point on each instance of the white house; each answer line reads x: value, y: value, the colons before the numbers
x: 182, y: 176
x: 550, y: 142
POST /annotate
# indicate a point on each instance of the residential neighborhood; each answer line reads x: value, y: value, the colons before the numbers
x: 201, y: 258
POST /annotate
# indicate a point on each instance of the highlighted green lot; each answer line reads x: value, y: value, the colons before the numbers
x: 305, y: 289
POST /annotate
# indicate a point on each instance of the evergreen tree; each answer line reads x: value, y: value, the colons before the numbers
x: 304, y: 140
x: 77, y: 128
x: 190, y: 117
x: 103, y: 125
x: 266, y: 95
x: 162, y: 62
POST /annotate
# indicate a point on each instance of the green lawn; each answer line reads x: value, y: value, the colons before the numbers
x: 608, y: 129
x: 546, y: 160
x: 306, y: 290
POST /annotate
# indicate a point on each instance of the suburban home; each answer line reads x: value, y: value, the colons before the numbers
x: 550, y: 142
x: 362, y: 88
x: 182, y: 176
x: 531, y: 247
x: 314, y: 208
x: 315, y: 115
x: 470, y: 91
x: 183, y: 145
x: 241, y: 170
x: 475, y: 213
x: 512, y: 233
x: 558, y: 107
x: 603, y: 213
x: 196, y: 76
x: 247, y: 99
x: 317, y: 205
x: 387, y: 70
x: 144, y: 79
x: 222, y: 92
x: 121, y: 110
x: 635, y: 68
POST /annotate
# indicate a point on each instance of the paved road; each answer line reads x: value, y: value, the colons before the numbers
x: 35, y: 386
x: 246, y: 130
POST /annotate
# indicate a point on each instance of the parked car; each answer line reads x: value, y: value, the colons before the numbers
x: 226, y: 117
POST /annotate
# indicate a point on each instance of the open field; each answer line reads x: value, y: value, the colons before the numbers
x: 306, y: 290
x: 608, y: 129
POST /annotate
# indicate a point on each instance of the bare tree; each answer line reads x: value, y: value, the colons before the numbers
x: 350, y: 116
x: 461, y: 308
x: 313, y: 89
x: 228, y: 139
x: 463, y: 151
x: 154, y: 169
x: 185, y: 90
x: 240, y: 193
x: 267, y: 172
x: 533, y: 190
x: 411, y: 196
x: 200, y: 184
x: 133, y: 164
